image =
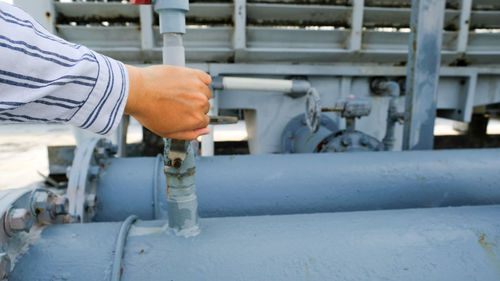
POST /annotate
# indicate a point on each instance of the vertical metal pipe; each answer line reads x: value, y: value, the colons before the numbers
x: 424, y: 58
x: 393, y: 90
x: 121, y: 136
x: 182, y: 204
x: 356, y: 25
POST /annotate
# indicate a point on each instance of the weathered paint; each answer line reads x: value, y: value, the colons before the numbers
x: 414, y: 244
x: 308, y: 183
x: 424, y: 60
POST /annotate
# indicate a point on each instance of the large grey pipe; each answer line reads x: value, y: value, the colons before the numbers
x: 418, y: 244
x: 308, y: 183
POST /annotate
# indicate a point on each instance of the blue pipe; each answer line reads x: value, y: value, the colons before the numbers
x: 307, y: 183
x: 416, y: 244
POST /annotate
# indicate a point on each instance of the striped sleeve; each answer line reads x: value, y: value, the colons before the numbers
x: 44, y: 78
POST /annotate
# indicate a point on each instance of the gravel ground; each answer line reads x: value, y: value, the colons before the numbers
x: 23, y: 149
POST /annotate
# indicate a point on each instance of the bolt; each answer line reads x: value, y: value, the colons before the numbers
x: 100, y: 152
x: 94, y: 172
x: 91, y: 200
x: 346, y: 141
x: 112, y: 149
x: 4, y: 266
x: 61, y: 205
x: 20, y: 219
x: 364, y: 141
x: 40, y: 201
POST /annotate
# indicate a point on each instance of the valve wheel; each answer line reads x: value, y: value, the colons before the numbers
x: 313, y: 110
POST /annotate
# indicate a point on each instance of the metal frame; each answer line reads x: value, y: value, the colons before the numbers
x: 346, y: 45
x: 424, y: 59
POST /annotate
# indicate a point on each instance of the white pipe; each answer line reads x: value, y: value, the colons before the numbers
x: 257, y: 84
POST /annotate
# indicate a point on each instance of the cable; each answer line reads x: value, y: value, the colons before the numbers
x: 120, y: 244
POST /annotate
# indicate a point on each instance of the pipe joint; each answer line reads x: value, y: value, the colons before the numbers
x: 172, y: 15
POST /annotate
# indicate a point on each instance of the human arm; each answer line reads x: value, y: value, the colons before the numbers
x: 44, y: 78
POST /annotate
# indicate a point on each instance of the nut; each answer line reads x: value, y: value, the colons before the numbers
x: 20, y: 219
x: 346, y: 141
x: 91, y: 200
x: 40, y: 201
x: 61, y: 205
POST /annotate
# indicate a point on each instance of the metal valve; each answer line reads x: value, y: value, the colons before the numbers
x: 313, y: 110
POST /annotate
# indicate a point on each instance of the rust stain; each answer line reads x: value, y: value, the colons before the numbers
x: 488, y: 248
x: 310, y: 137
x: 168, y: 192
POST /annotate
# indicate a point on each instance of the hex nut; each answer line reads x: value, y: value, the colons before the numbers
x: 61, y: 205
x: 40, y: 201
x: 346, y: 141
x: 91, y: 200
x: 20, y: 219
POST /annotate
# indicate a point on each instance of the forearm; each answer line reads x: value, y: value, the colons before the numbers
x: 44, y: 78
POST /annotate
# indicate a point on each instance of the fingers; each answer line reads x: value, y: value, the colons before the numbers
x: 206, y: 108
x: 206, y: 121
x: 188, y: 135
x: 207, y: 92
x: 204, y: 77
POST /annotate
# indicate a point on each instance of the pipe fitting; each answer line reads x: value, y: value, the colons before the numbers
x: 182, y: 203
x: 172, y: 15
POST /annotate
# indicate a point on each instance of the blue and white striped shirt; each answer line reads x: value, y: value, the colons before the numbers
x: 44, y: 78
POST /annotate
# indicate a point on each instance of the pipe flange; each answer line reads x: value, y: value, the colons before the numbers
x: 89, y: 161
x: 350, y: 141
x: 298, y: 125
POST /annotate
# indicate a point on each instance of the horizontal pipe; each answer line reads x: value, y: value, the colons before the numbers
x: 294, y: 87
x: 416, y: 244
x: 308, y: 183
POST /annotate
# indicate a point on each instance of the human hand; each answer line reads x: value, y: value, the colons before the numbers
x: 170, y: 101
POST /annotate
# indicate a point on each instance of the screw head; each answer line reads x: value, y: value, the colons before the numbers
x: 20, y: 219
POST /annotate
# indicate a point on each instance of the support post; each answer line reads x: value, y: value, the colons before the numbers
x: 463, y: 32
x: 147, y: 37
x: 424, y: 57
x: 240, y: 25
x: 356, y: 25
